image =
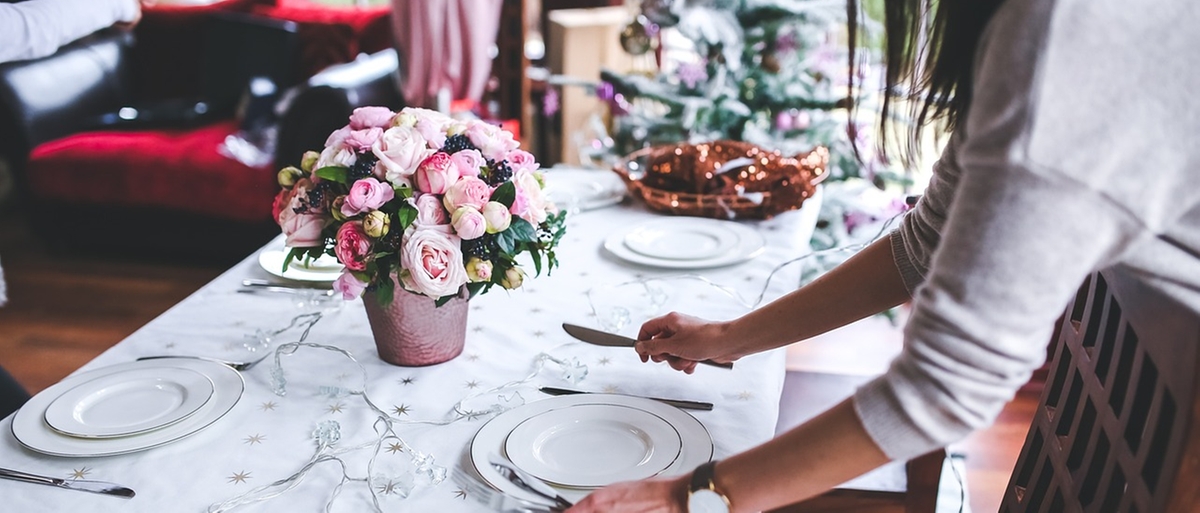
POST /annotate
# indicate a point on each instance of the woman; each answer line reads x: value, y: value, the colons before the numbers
x: 1072, y: 150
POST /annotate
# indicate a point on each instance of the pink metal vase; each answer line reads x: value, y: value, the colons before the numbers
x: 413, y: 332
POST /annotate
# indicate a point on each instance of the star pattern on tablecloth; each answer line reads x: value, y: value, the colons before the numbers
x: 749, y: 278
x: 539, y: 334
x: 535, y: 310
x: 395, y: 447
x: 342, y: 377
x: 403, y: 409
x: 239, y: 477
x: 388, y: 488
x: 477, y: 307
x: 604, y: 361
x: 745, y: 395
x: 472, y: 357
x: 407, y: 381
x: 472, y: 414
x: 254, y: 439
x: 472, y: 384
x: 170, y: 345
x: 477, y: 329
x: 335, y: 408
x: 460, y: 494
x: 79, y: 473
x: 269, y: 405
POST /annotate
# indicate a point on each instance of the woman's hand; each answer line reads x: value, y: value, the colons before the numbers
x: 683, y: 341
x: 648, y: 496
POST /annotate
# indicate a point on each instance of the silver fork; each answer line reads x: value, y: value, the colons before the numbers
x: 496, y: 500
x: 237, y: 366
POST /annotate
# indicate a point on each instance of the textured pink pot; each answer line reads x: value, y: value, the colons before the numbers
x: 413, y: 332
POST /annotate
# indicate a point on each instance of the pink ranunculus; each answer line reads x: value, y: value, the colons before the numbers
x: 493, y: 142
x: 530, y: 203
x: 469, y: 162
x: 365, y: 195
x: 433, y: 263
x: 371, y: 117
x: 433, y: 131
x: 521, y: 160
x: 497, y: 216
x: 338, y: 136
x: 400, y: 151
x: 469, y: 191
x: 349, y: 286
x: 468, y: 223
x: 362, y: 140
x: 436, y: 174
x: 430, y: 211
x: 352, y: 246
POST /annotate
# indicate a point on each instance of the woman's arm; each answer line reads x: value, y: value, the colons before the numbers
x: 37, y: 28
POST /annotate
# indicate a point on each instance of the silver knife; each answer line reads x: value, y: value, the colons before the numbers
x: 604, y: 338
x: 81, y: 485
x: 678, y: 403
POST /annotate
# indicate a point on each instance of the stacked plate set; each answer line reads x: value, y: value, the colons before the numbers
x: 685, y: 243
x: 127, y: 407
x: 578, y: 443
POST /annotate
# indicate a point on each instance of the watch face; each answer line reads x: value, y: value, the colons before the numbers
x: 707, y: 501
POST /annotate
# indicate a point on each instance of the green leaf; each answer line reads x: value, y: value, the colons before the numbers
x: 385, y: 293
x: 522, y: 230
x: 405, y: 216
x: 478, y: 288
x: 505, y: 194
x: 537, y: 261
x: 335, y: 173
x: 506, y: 242
x: 443, y: 300
x: 293, y: 254
x: 403, y: 191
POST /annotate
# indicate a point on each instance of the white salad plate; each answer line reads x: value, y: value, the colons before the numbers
x: 583, y: 189
x: 696, y: 444
x: 129, y: 403
x: 29, y: 426
x: 686, y: 238
x: 323, y: 269
x: 592, y: 445
x: 685, y: 243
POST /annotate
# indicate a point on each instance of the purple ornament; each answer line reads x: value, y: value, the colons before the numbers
x: 550, y: 102
x: 605, y: 91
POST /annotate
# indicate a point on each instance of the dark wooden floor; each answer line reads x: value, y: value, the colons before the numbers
x: 66, y: 309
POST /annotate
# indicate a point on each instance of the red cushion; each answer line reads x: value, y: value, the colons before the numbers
x: 333, y: 35
x: 179, y: 170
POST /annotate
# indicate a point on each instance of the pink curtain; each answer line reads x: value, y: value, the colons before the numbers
x: 445, y: 44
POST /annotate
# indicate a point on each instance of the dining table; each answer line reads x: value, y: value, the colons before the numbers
x: 327, y: 423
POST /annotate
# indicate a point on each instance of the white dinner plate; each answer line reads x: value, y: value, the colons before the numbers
x: 583, y: 189
x: 696, y: 443
x: 29, y: 426
x: 682, y: 238
x: 749, y: 243
x: 130, y: 402
x: 323, y: 269
x: 593, y: 445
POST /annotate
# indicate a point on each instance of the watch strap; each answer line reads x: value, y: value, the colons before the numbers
x: 702, y: 477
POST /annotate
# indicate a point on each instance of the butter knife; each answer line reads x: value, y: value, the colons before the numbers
x: 678, y: 403
x: 81, y: 485
x: 604, y: 338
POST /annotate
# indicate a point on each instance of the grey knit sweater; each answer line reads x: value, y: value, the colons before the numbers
x: 1081, y: 151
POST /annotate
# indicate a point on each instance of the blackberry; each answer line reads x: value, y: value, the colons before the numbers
x: 484, y: 247
x: 317, y: 199
x: 362, y: 166
x: 498, y: 173
x: 457, y: 143
x: 391, y: 242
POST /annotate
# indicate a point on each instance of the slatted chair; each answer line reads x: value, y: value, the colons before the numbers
x: 1118, y: 425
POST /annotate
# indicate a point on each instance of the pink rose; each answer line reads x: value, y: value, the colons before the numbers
x: 493, y: 142
x: 469, y: 162
x: 400, y: 151
x: 301, y: 230
x: 338, y: 136
x: 432, y: 131
x: 430, y: 211
x: 338, y: 155
x: 349, y: 286
x: 419, y: 114
x: 366, y: 195
x: 521, y: 160
x: 468, y: 223
x: 433, y: 263
x: 436, y: 174
x: 371, y: 117
x: 497, y: 216
x: 471, y: 192
x: 362, y: 140
x: 530, y: 204
x: 352, y: 246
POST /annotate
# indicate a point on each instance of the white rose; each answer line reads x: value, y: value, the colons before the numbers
x: 433, y: 263
x: 400, y: 151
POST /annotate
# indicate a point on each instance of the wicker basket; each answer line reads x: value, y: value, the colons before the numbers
x: 722, y: 179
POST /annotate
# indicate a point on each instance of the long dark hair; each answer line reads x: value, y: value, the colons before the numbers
x: 929, y: 62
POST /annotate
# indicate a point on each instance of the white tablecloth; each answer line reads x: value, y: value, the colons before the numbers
x: 267, y: 437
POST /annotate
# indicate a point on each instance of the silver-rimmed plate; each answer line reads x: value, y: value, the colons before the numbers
x: 583, y: 189
x: 323, y: 269
x: 129, y: 403
x: 30, y: 429
x: 713, y: 235
x: 696, y: 444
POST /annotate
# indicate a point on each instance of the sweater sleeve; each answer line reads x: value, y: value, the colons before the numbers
x: 37, y: 28
x: 915, y: 241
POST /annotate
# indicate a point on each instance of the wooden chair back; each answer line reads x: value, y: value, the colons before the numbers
x: 1118, y: 425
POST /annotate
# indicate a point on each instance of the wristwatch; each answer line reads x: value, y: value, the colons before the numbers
x: 703, y: 496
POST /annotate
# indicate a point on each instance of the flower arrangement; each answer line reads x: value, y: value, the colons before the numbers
x: 436, y: 202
